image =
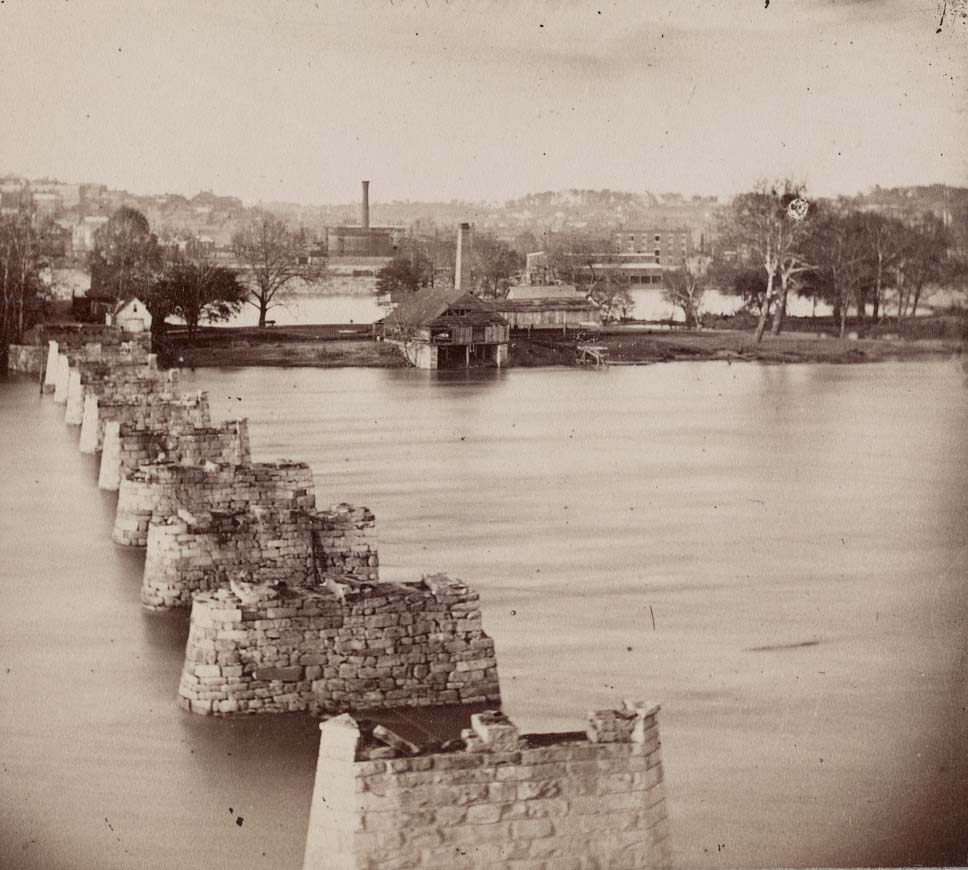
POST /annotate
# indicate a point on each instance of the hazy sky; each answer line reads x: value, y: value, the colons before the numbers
x: 299, y: 100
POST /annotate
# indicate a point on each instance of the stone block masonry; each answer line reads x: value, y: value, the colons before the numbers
x: 160, y: 491
x: 84, y: 341
x: 109, y: 381
x: 370, y: 647
x: 71, y: 336
x: 156, y: 407
x: 493, y: 800
x: 127, y: 447
x: 120, y: 355
x: 189, y: 553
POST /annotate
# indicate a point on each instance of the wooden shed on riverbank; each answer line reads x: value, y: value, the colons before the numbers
x: 548, y: 306
x: 442, y: 328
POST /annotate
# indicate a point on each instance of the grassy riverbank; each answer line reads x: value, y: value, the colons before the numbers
x: 282, y: 346
x: 791, y: 348
x: 333, y: 346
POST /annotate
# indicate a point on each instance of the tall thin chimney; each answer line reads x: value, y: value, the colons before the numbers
x: 365, y: 217
x: 462, y: 270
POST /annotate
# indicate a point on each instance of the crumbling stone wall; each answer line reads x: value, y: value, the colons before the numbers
x: 111, y: 380
x: 495, y: 801
x: 116, y: 354
x: 159, y: 491
x: 83, y: 341
x: 76, y: 335
x: 158, y: 405
x: 127, y: 447
x: 355, y: 648
x: 191, y: 553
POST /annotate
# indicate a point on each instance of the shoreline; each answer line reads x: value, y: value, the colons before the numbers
x: 319, y: 347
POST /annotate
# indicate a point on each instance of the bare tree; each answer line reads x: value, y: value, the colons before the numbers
x: 273, y: 257
x: 841, y: 253
x: 495, y: 262
x: 886, y: 237
x: 612, y: 292
x: 768, y: 225
x: 922, y: 261
x: 19, y: 278
x: 684, y: 288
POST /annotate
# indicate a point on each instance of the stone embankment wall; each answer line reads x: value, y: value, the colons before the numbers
x: 495, y: 801
x: 126, y: 447
x: 160, y: 491
x: 189, y: 553
x: 355, y: 648
x: 26, y: 358
x: 156, y: 407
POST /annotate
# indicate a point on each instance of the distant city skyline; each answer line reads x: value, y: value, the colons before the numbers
x: 486, y: 102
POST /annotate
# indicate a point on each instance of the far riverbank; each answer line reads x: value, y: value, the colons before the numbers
x: 354, y: 346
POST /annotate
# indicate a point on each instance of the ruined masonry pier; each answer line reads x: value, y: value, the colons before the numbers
x: 127, y: 446
x: 159, y: 491
x: 376, y: 646
x: 491, y: 799
x: 191, y: 553
x: 159, y: 406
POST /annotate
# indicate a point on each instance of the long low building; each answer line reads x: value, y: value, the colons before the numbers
x: 547, y: 306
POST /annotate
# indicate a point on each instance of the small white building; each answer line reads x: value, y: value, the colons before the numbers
x: 130, y: 316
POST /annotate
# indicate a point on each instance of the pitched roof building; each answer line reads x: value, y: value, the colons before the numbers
x: 443, y: 328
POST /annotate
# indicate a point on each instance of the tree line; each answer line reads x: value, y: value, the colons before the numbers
x: 180, y: 277
x: 174, y: 276
x: 773, y: 241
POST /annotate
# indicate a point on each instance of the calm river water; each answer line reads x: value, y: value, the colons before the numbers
x: 364, y: 308
x: 775, y: 554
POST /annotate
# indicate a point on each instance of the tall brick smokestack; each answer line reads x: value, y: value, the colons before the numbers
x: 462, y: 270
x: 365, y: 216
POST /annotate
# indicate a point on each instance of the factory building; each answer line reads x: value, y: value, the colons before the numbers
x: 360, y: 248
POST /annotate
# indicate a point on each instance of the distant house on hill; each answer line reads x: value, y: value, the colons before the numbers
x: 548, y: 306
x: 441, y: 328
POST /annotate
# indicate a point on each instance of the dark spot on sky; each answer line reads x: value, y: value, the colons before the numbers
x: 239, y: 820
